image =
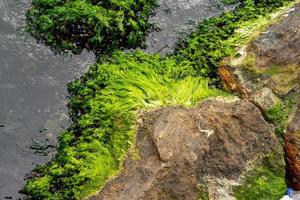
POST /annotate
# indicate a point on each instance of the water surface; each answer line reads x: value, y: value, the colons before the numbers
x: 177, y: 18
x: 32, y: 97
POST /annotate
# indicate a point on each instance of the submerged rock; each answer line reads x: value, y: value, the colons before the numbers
x: 187, y: 153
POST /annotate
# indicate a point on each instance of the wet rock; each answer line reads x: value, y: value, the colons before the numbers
x: 279, y: 46
x: 184, y: 153
x: 267, y: 71
x: 265, y: 98
x: 292, y: 153
x: 270, y: 64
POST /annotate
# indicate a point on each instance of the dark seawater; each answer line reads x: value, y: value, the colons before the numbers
x: 32, y: 97
x: 177, y: 18
x: 33, y: 83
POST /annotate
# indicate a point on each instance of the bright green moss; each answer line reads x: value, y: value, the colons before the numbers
x: 279, y: 114
x: 213, y: 38
x: 104, y: 119
x: 265, y: 182
x: 103, y: 102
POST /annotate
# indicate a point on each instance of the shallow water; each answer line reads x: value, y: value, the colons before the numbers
x: 177, y: 18
x: 32, y: 97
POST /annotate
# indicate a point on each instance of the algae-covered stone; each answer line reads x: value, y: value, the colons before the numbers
x: 270, y: 63
x: 265, y: 180
x: 268, y: 74
x: 97, y: 25
x: 186, y: 151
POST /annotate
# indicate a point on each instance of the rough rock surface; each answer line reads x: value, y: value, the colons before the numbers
x: 279, y: 46
x: 271, y: 66
x: 183, y: 151
x: 292, y: 153
x: 269, y: 73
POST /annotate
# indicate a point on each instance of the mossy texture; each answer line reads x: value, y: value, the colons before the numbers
x: 218, y: 37
x: 279, y: 116
x: 96, y: 25
x: 103, y: 104
x: 104, y: 101
x: 265, y: 182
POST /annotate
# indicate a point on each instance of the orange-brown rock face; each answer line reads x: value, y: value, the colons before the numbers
x: 231, y: 82
x: 292, y: 153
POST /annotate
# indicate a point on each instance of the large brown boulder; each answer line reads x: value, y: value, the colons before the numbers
x: 184, y: 153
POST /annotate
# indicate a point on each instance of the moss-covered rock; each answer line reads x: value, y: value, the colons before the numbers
x: 269, y: 58
x: 192, y: 153
x: 265, y: 181
x: 103, y: 102
x: 96, y: 25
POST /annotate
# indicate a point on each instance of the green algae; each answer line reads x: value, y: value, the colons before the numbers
x: 279, y: 114
x: 104, y: 108
x: 103, y: 102
x: 96, y: 25
x: 266, y: 181
x: 218, y: 37
x: 228, y: 2
x: 202, y: 193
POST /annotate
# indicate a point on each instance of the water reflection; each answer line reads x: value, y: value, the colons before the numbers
x: 176, y: 18
x: 32, y: 97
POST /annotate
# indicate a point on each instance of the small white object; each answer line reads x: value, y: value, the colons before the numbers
x: 296, y: 195
x: 207, y: 132
x: 286, y: 197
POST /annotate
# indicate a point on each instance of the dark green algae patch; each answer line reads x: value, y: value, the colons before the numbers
x: 104, y: 101
x: 97, y: 25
